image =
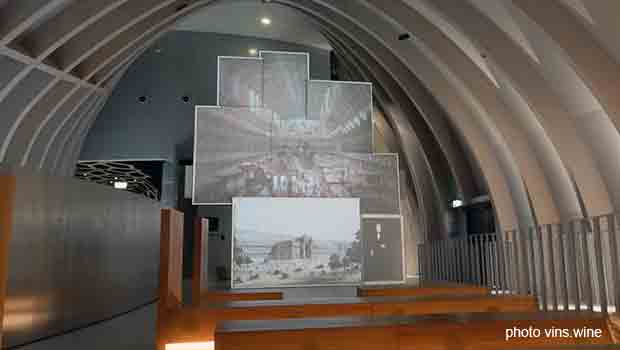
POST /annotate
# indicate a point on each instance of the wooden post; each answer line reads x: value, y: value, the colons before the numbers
x: 7, y: 194
x: 170, y: 269
x: 199, y: 274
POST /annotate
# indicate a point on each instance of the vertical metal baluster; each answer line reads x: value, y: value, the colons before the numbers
x: 554, y: 293
x: 563, y: 235
x: 598, y: 253
x: 589, y: 297
x: 517, y: 262
x: 440, y: 259
x: 437, y: 261
x: 477, y: 261
x: 450, y: 255
x: 420, y: 262
x: 485, y: 279
x: 574, y: 264
x: 543, y: 266
x: 499, y: 247
x: 508, y: 263
x: 489, y: 262
x: 471, y: 254
x: 495, y: 263
x: 453, y: 260
x: 463, y: 244
x: 524, y: 257
x: 431, y: 247
x: 444, y: 259
x: 459, y: 259
x: 613, y: 245
x: 533, y: 262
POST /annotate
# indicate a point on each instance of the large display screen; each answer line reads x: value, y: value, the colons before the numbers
x: 240, y: 81
x: 296, y: 242
x: 284, y: 86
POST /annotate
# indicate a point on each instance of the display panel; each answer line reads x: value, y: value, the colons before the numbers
x: 296, y: 242
x: 227, y: 140
x: 298, y: 173
x: 284, y: 87
x: 240, y: 81
x: 343, y: 111
x: 383, y: 249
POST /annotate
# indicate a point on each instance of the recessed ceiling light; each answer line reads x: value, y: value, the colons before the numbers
x: 265, y: 21
x: 253, y: 52
x: 120, y: 185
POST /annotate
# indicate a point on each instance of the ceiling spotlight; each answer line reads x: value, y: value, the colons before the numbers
x: 457, y: 203
x: 253, y: 52
x: 120, y: 185
x: 265, y: 21
x: 186, y: 99
x: 404, y: 36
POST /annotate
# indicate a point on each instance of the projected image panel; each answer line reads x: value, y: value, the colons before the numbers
x: 231, y: 146
x: 383, y: 249
x: 296, y: 242
x: 344, y: 112
x: 240, y: 81
x: 284, y: 86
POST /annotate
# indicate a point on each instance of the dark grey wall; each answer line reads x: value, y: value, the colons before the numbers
x: 75, y: 258
x: 163, y: 127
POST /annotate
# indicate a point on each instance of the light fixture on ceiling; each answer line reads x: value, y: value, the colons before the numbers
x: 404, y: 36
x: 265, y: 21
x: 253, y: 52
x: 457, y: 203
x: 120, y: 185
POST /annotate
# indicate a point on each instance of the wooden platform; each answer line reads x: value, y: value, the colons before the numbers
x: 198, y: 323
x: 475, y: 331
x: 218, y: 296
x: 369, y: 307
x: 424, y: 289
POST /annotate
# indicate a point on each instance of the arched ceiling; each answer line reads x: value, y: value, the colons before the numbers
x: 287, y: 25
x: 528, y: 88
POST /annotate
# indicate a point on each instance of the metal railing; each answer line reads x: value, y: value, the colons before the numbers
x: 570, y: 266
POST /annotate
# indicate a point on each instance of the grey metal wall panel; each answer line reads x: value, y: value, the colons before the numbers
x: 76, y: 259
x: 165, y: 120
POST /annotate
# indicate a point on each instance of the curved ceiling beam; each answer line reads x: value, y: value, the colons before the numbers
x: 75, y: 18
x: 419, y: 168
x: 434, y: 128
x: 497, y: 169
x: 555, y: 197
x: 555, y: 118
x: 591, y: 61
x: 112, y: 67
x: 16, y: 17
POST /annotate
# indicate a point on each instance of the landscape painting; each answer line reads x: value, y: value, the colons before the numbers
x: 296, y: 242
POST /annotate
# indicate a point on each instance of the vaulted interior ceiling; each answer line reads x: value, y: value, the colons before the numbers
x: 240, y: 18
x: 529, y: 87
